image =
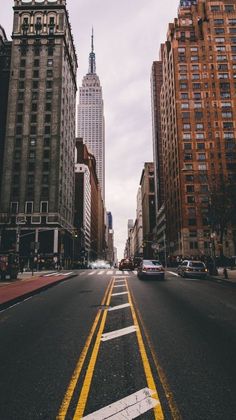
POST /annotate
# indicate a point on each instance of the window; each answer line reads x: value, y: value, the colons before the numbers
x: 202, y: 167
x: 230, y: 8
x: 227, y: 114
x: 186, y: 126
x: 190, y: 199
x: 219, y: 40
x: 201, y: 156
x: 35, y: 73
x: 190, y: 188
x: 21, y: 84
x: 44, y: 207
x: 29, y: 207
x: 33, y: 141
x: 215, y: 8
x: 200, y: 146
x: 50, y: 62
x: 35, y: 84
x: 187, y: 136
x: 14, y: 207
x: 185, y: 105
x: 192, y: 222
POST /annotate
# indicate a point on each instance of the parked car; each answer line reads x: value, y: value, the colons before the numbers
x: 190, y: 268
x: 126, y: 264
x: 151, y: 269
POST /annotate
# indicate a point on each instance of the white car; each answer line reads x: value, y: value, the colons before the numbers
x: 151, y: 269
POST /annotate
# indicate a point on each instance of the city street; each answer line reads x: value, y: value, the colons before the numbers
x: 106, y: 345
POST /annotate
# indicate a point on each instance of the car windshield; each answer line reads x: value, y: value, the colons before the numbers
x: 196, y: 264
x: 151, y: 262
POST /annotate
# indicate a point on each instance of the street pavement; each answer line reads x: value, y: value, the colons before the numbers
x: 13, y: 291
x: 106, y: 344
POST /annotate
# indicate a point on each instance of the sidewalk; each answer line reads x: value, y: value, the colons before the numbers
x: 231, y: 276
x: 26, y: 285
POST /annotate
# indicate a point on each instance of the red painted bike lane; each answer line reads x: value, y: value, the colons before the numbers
x: 21, y: 289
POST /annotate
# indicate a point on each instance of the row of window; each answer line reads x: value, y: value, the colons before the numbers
x: 29, y: 207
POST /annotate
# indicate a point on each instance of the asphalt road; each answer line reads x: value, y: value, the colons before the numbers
x: 107, y: 345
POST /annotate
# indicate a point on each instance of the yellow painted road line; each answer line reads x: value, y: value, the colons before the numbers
x: 89, y: 374
x: 158, y: 413
x: 168, y: 393
x: 76, y: 374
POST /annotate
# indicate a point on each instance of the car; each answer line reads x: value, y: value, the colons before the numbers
x: 191, y: 268
x: 126, y: 264
x: 151, y: 269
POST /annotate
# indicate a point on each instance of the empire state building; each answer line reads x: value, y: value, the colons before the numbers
x: 91, y: 124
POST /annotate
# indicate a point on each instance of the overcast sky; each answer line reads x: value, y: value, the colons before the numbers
x: 127, y: 37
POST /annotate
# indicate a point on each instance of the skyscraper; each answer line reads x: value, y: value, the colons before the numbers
x: 198, y: 122
x: 38, y: 164
x: 91, y: 125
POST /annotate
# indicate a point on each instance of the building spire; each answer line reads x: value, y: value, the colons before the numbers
x: 92, y: 59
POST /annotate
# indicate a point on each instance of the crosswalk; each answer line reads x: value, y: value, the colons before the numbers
x: 91, y: 273
x: 109, y: 273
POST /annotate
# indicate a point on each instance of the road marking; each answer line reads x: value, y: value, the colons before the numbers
x: 110, y: 272
x: 120, y: 293
x: 120, y: 281
x: 120, y: 285
x: 168, y: 393
x: 50, y: 274
x: 76, y: 374
x: 126, y: 272
x: 83, y: 272
x: 90, y: 369
x: 114, y: 308
x: 100, y: 273
x: 127, y: 408
x: 172, y: 272
x: 90, y: 274
x: 158, y: 413
x: 119, y: 272
x: 118, y: 333
x: 67, y: 274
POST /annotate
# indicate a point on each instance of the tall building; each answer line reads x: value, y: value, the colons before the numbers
x: 89, y: 208
x: 37, y: 196
x: 148, y: 208
x: 5, y: 61
x: 91, y: 124
x: 160, y: 226
x: 198, y: 105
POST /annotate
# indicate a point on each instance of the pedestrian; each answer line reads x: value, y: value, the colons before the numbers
x: 225, y: 272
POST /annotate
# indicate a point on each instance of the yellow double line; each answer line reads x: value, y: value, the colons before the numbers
x: 76, y: 374
x: 102, y: 314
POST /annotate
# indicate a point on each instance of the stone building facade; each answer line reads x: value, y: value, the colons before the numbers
x: 37, y: 196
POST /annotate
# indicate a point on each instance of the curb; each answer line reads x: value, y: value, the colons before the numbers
x: 26, y: 295
x: 221, y: 280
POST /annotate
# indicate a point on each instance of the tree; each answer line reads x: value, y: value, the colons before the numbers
x: 222, y: 208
